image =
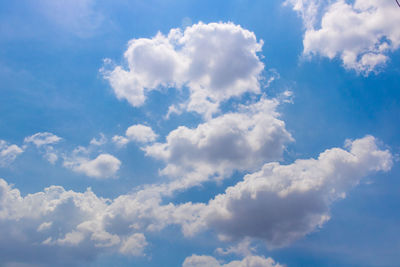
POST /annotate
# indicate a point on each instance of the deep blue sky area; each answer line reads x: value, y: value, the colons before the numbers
x: 50, y: 81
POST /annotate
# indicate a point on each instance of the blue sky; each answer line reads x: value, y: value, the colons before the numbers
x: 236, y: 133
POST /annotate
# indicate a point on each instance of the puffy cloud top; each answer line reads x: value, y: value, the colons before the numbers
x: 234, y: 141
x: 216, y: 61
x: 362, y: 33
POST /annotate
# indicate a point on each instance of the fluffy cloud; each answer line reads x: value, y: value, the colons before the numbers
x: 59, y: 226
x: 249, y: 261
x: 362, y: 33
x: 134, y: 245
x: 215, y: 61
x: 104, y: 166
x: 282, y: 203
x: 234, y: 141
x: 139, y: 133
x: 8, y: 153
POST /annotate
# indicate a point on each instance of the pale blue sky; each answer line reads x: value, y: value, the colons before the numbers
x: 51, y: 56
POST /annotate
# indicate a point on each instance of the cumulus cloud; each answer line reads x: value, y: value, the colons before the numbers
x: 103, y: 166
x: 59, y: 226
x: 234, y: 141
x: 215, y: 61
x: 138, y: 133
x: 249, y: 261
x: 8, y: 153
x: 362, y: 33
x: 282, y: 203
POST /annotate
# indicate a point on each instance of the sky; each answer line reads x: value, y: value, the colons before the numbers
x: 199, y: 133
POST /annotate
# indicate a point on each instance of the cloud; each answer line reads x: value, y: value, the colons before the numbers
x: 234, y: 141
x: 249, y: 261
x: 278, y: 204
x: 99, y: 142
x: 42, y: 139
x: 138, y: 133
x: 8, y: 153
x: 215, y: 61
x: 59, y: 226
x: 134, y: 245
x: 362, y: 33
x: 282, y: 203
x: 104, y: 166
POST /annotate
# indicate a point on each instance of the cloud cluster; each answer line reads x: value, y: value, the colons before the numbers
x: 242, y: 140
x: 59, y: 225
x: 362, y: 33
x: 278, y: 204
x: 215, y: 61
x: 249, y: 261
x: 8, y: 153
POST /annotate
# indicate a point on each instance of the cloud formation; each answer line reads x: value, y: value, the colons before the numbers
x: 42, y: 139
x: 361, y: 33
x: 138, y: 133
x: 8, y: 153
x: 242, y: 140
x: 102, y: 167
x: 282, y: 203
x: 249, y: 261
x: 215, y: 61
x: 278, y: 204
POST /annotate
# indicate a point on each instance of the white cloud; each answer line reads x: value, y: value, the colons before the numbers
x: 104, y: 166
x: 138, y: 133
x: 278, y: 204
x: 249, y: 261
x: 241, y: 248
x: 234, y: 141
x: 99, y: 142
x: 42, y: 139
x: 362, y: 33
x: 215, y: 61
x: 282, y: 203
x: 134, y: 245
x: 56, y: 226
x: 8, y: 153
